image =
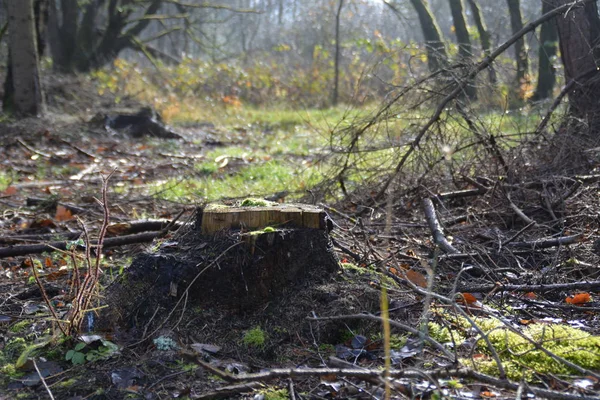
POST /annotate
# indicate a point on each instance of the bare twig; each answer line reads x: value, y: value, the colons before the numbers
x: 546, y: 243
x: 42, y: 379
x: 436, y: 228
x: 593, y: 285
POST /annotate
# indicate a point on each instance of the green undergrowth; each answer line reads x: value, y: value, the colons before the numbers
x: 257, y: 180
x: 5, y: 180
x: 521, y: 358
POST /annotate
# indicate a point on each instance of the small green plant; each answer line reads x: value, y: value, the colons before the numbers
x: 255, y: 337
x: 78, y: 356
x: 75, y: 355
x: 165, y: 343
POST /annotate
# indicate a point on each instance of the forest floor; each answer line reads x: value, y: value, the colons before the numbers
x: 510, y: 307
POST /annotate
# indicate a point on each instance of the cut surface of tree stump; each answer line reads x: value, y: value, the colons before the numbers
x: 218, y: 217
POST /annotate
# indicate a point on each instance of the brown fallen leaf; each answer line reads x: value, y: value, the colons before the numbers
x: 63, y: 214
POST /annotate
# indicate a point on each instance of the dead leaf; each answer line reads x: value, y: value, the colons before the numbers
x: 416, y: 277
x: 530, y: 296
x: 10, y: 191
x: 467, y: 298
x: 63, y: 214
x: 579, y: 299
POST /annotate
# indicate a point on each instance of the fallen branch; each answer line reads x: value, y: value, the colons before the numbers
x: 593, y: 285
x: 370, y: 374
x: 123, y: 228
x: 14, y: 251
x: 546, y: 243
x: 460, y: 194
x: 436, y: 228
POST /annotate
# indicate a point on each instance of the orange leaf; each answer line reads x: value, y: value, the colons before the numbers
x: 417, y: 278
x: 48, y: 262
x: 530, y: 296
x: 467, y: 298
x: 62, y: 214
x: 579, y: 299
x: 487, y: 394
x: 10, y: 191
x: 55, y: 275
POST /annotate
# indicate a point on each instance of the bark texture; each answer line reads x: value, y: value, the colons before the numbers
x: 484, y: 36
x: 522, y: 79
x: 465, y: 49
x: 547, y: 52
x: 579, y: 40
x: 27, y: 97
x: 436, y: 51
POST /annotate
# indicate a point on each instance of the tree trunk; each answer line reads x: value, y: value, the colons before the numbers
x: 579, y: 37
x: 465, y: 49
x: 523, y: 80
x: 336, y: 67
x: 547, y: 51
x: 436, y: 51
x: 484, y: 36
x: 27, y: 99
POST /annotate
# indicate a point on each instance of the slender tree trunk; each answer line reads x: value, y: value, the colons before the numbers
x: 548, y: 46
x: 484, y: 36
x: 336, y: 67
x: 523, y: 79
x: 465, y: 49
x: 280, y: 13
x: 579, y: 38
x: 27, y: 98
x: 436, y: 51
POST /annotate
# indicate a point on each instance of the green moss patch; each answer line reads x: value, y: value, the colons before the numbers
x: 521, y: 357
x: 252, y: 202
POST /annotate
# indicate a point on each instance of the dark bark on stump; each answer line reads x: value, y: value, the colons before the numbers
x: 251, y: 270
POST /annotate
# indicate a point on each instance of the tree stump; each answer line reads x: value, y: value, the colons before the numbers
x: 234, y: 257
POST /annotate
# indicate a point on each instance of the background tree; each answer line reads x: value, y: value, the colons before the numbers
x: 436, y: 50
x: 546, y: 53
x: 465, y: 49
x: 336, y: 67
x: 484, y: 35
x: 579, y: 39
x: 522, y: 78
x: 25, y: 96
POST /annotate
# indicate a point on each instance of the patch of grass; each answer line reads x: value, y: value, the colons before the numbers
x: 255, y: 337
x: 257, y: 180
